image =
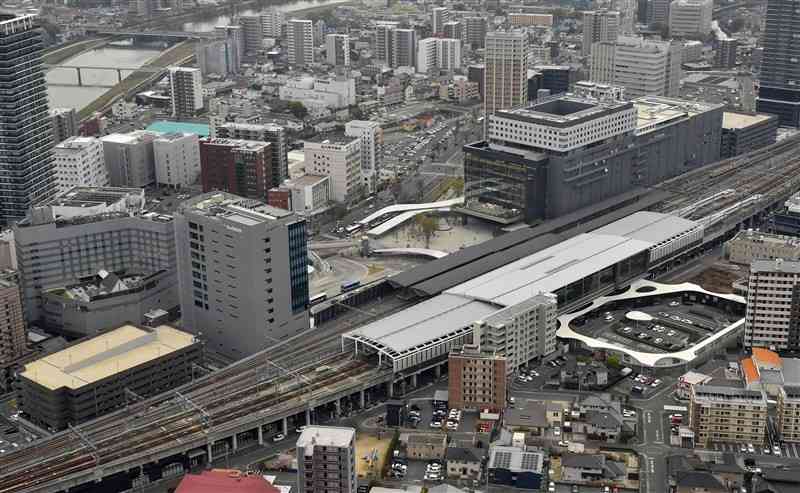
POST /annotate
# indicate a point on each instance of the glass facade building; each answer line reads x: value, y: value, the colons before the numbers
x: 298, y: 265
x: 779, y: 91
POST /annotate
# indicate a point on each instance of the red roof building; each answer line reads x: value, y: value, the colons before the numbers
x: 224, y: 481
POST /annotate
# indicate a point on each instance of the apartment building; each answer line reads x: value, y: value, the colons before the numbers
x: 80, y: 162
x: 773, y: 305
x: 439, y: 15
x: 719, y: 412
x: 241, y: 167
x: 64, y: 122
x: 337, y: 50
x: 371, y: 135
x: 234, y: 46
x: 272, y: 133
x: 506, y: 66
x: 326, y: 460
x: 599, y: 26
x: 789, y: 413
x: 186, y: 91
x: 690, y: 17
x: 522, y: 19
x: 476, y: 379
x: 129, y: 158
x: 749, y: 245
x: 242, y: 271
x: 404, y: 48
x: 438, y: 53
x: 13, y: 335
x: 475, y: 32
x: 300, y: 34
x: 779, y: 78
x: 253, y: 32
x: 177, y: 159
x: 338, y: 157
x: 272, y: 21
x: 642, y: 67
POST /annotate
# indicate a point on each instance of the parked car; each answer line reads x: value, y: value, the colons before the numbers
x: 278, y: 437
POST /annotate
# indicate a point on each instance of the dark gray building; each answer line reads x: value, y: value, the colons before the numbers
x: 242, y: 272
x: 64, y: 122
x: 556, y: 78
x: 725, y: 51
x: 477, y: 73
x: 267, y: 132
x: 779, y: 91
x: 745, y: 132
x: 27, y: 170
x: 475, y: 31
x: 555, y: 157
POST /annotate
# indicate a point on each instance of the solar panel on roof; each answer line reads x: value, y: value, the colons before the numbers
x: 502, y: 460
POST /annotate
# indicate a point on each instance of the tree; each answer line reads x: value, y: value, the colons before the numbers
x: 297, y: 109
x: 427, y: 225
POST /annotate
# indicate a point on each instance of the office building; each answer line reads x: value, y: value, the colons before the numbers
x: 690, y: 17
x: 521, y: 19
x: 129, y: 158
x: 454, y: 30
x: 371, y: 135
x: 300, y: 34
x: 273, y: 21
x: 87, y: 230
x: 439, y: 15
x: 326, y: 460
x: 627, y: 15
x: 338, y: 157
x: 320, y: 29
x: 555, y: 78
x: 186, y: 91
x: 234, y: 46
x: 13, y: 335
x: 588, y: 89
x: 725, y: 51
x: 749, y: 245
x: 599, y: 26
x: 308, y: 194
x: 779, y: 79
x: 335, y: 93
x: 404, y: 48
x: 241, y: 167
x: 789, y: 413
x: 476, y: 379
x: 477, y: 74
x: 64, y: 122
x: 93, y: 377
x: 242, y: 271
x: 252, y: 33
x: 723, y: 412
x: 773, y: 305
x: 266, y: 132
x: 642, y: 67
x: 438, y: 54
x: 337, y: 50
x: 26, y: 149
x: 506, y: 61
x: 80, y: 162
x: 658, y: 12
x: 177, y: 159
x: 745, y: 132
x: 475, y: 32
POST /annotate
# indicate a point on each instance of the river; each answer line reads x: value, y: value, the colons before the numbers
x: 63, y: 94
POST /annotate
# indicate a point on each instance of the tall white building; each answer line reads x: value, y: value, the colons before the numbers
x: 371, y: 135
x: 773, y: 305
x: 337, y: 50
x: 599, y: 25
x: 186, y: 91
x: 338, y: 92
x: 326, y: 460
x: 690, y: 17
x: 212, y: 57
x: 439, y: 53
x: 506, y: 72
x: 642, y: 67
x: 340, y: 159
x: 234, y: 37
x: 129, y: 158
x: 80, y: 162
x: 272, y: 22
x: 177, y: 159
x: 384, y: 41
x: 439, y: 16
x: 627, y: 15
x: 300, y: 35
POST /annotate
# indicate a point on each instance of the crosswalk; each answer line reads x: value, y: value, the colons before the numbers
x: 788, y: 450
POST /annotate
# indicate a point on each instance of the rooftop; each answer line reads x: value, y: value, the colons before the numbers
x: 305, y: 180
x: 564, y: 110
x: 76, y: 143
x: 224, y: 480
x: 515, y: 459
x: 332, y: 138
x: 733, y: 120
x: 105, y: 355
x: 223, y: 205
x: 101, y: 285
x: 91, y: 196
x: 777, y: 265
x: 250, y: 145
x: 655, y: 111
x: 164, y: 126
x: 325, y: 436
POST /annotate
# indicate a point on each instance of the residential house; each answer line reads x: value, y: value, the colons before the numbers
x: 464, y: 463
x: 584, y: 468
x: 698, y: 482
x: 430, y: 446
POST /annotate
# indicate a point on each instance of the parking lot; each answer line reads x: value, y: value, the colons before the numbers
x: 467, y: 421
x: 788, y: 450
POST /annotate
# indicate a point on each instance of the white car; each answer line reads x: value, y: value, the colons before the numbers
x: 674, y: 303
x: 557, y: 431
x: 776, y: 450
x: 436, y: 424
x: 278, y: 437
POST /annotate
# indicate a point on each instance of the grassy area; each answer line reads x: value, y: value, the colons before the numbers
x: 177, y: 55
x: 62, y: 53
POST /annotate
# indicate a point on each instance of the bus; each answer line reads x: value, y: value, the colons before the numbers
x: 350, y: 285
x: 676, y: 409
x: 317, y: 298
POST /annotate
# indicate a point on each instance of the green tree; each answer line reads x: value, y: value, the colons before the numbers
x: 297, y: 109
x: 613, y: 361
x: 427, y: 225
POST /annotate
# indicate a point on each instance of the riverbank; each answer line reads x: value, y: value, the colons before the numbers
x: 59, y: 55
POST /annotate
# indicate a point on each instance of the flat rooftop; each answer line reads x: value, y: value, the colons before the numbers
x: 648, y: 226
x: 565, y: 110
x: 250, y: 145
x: 733, y: 120
x: 306, y: 180
x: 334, y: 138
x: 90, y: 196
x: 105, y: 355
x: 325, y: 436
x: 164, y: 126
x: 248, y: 212
x: 655, y: 111
x: 777, y: 265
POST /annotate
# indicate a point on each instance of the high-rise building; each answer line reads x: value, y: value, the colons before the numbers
x: 506, y: 60
x: 779, y: 80
x: 476, y: 379
x: 384, y: 42
x: 745, y: 132
x: 337, y: 50
x: 627, y: 15
x: 338, y: 157
x: 212, y: 57
x: 234, y: 46
x: 300, y: 34
x: 186, y: 91
x: 789, y: 413
x: 475, y: 31
x: 80, y: 162
x: 438, y: 53
x: 65, y: 123
x: 404, y: 49
x: 690, y: 17
x: 129, y: 158
x: 454, y: 30
x: 320, y: 30
x: 773, y: 305
x: 727, y: 413
x: 658, y: 12
x: 177, y: 159
x: 642, y: 67
x: 27, y: 173
x: 242, y: 271
x: 272, y: 21
x: 371, y: 135
x: 599, y: 25
x: 253, y: 32
x: 439, y: 16
x: 12, y: 324
x: 326, y: 460
x: 266, y: 132
x: 241, y: 167
x: 477, y: 73
x: 725, y: 50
